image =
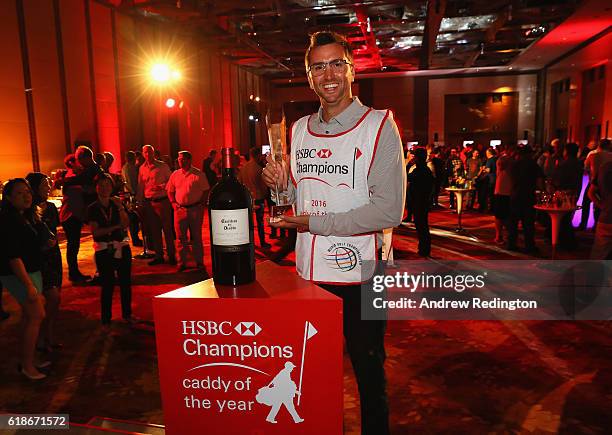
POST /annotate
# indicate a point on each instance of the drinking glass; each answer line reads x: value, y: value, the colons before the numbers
x: 277, y: 134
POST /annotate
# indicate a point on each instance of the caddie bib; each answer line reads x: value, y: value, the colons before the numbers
x: 330, y: 173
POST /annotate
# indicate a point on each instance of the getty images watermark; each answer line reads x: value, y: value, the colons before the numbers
x: 480, y: 290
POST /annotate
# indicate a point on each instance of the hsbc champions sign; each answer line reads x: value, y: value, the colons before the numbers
x: 225, y: 370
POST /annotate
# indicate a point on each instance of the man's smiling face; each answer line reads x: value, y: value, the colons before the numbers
x: 332, y: 87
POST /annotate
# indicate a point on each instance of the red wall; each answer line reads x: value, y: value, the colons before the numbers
x: 572, y: 67
x: 108, y: 98
x: 15, y: 155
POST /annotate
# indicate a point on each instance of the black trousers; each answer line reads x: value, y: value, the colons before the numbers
x: 134, y: 226
x: 567, y: 235
x: 436, y: 190
x: 72, y: 228
x: 259, y: 218
x: 524, y: 212
x: 366, y: 348
x: 409, y: 206
x: 421, y: 223
x: 483, y: 187
x: 107, y: 265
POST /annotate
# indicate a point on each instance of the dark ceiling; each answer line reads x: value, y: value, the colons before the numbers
x: 269, y: 37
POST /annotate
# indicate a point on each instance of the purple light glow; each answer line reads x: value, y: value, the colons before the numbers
x: 578, y: 213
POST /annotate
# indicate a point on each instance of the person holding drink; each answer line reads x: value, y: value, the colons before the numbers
x: 347, y: 182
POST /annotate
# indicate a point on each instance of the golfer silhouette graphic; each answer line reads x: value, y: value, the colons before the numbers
x: 280, y: 391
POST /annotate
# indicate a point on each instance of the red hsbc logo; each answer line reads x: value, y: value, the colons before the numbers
x: 324, y: 153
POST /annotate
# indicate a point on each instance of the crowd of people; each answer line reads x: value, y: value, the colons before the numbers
x: 146, y: 204
x: 506, y: 183
x: 163, y: 208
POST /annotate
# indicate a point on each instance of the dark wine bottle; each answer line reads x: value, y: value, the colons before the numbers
x: 230, y: 213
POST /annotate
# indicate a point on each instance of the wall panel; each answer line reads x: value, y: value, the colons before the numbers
x: 106, y: 92
x: 595, y: 54
x: 15, y: 155
x: 129, y: 83
x: 205, y: 105
x: 46, y: 92
x: 216, y: 100
x: 397, y: 94
x: 76, y: 65
x: 226, y: 101
x: 149, y: 100
x: 188, y: 91
x: 524, y: 84
x: 236, y: 109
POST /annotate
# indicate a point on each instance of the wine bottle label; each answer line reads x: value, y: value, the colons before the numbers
x: 230, y: 227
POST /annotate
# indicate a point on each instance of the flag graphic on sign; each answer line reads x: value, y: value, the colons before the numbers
x: 309, y: 332
x: 358, y: 153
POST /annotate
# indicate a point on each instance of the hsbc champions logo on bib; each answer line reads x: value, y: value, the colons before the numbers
x: 343, y: 256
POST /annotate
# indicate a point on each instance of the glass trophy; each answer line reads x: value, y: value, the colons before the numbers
x: 277, y: 134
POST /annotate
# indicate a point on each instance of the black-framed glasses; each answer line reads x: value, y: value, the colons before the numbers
x: 336, y: 65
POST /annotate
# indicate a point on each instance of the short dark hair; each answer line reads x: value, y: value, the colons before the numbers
x: 572, y: 149
x: 604, y: 144
x: 32, y: 214
x: 36, y: 179
x: 255, y: 152
x: 83, y: 151
x: 104, y: 177
x: 420, y: 154
x: 327, y: 37
x: 130, y: 156
x: 524, y: 150
x: 70, y: 160
x: 185, y: 154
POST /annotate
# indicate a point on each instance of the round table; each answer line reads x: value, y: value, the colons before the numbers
x: 459, y: 192
x: 556, y: 214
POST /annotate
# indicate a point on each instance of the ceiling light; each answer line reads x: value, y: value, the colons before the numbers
x: 457, y: 24
x: 160, y: 72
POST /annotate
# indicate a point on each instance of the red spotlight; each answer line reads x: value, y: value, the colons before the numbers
x: 170, y: 103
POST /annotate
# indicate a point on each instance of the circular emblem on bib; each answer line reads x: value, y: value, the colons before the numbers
x: 342, y: 258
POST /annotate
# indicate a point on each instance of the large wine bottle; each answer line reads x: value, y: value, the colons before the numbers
x: 230, y: 212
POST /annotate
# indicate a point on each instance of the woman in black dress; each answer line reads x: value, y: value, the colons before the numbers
x: 23, y: 236
x: 52, y: 260
x: 108, y: 221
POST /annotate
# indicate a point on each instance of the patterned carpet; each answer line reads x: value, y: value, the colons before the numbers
x: 443, y: 376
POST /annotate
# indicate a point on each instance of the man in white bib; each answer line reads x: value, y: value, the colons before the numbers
x: 348, y: 183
